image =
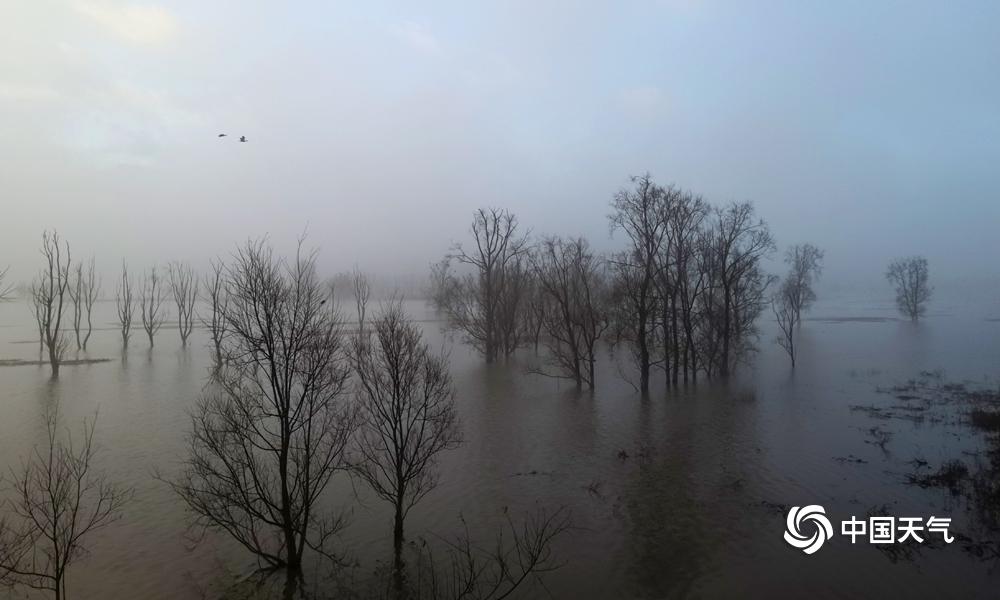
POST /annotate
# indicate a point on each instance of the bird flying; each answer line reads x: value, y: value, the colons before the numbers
x: 243, y: 138
x: 222, y: 135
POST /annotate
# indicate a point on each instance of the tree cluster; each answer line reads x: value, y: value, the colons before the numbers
x: 296, y: 398
x: 681, y: 296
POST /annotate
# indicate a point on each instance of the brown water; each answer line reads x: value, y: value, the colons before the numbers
x: 694, y: 510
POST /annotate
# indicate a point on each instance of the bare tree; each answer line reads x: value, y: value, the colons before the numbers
x: 679, y: 281
x: 638, y: 212
x: 91, y: 292
x: 473, y: 571
x: 151, y: 298
x: 512, y: 305
x: 667, y: 285
x: 58, y: 501
x: 76, y: 292
x: 535, y: 309
x: 218, y: 304
x: 271, y: 430
x: 805, y: 265
x: 184, y: 289
x: 911, y: 278
x: 83, y: 291
x: 572, y: 284
x: 407, y: 416
x: 784, y: 305
x: 52, y: 294
x: 5, y: 289
x: 362, y: 292
x: 125, y: 306
x: 738, y: 242
x: 37, y: 307
x: 485, y: 305
x: 442, y: 284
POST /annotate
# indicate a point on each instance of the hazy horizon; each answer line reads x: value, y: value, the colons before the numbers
x: 866, y: 130
x: 692, y: 417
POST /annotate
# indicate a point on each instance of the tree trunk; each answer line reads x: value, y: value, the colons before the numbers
x: 397, y: 543
x: 726, y: 327
x: 54, y: 359
x: 291, y: 585
x: 292, y: 558
x: 666, y: 341
x: 643, y: 354
x: 674, y: 336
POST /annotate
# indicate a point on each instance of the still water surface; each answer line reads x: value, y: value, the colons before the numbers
x: 677, y: 495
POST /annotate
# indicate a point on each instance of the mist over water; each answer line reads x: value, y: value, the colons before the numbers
x: 677, y: 494
x: 654, y: 183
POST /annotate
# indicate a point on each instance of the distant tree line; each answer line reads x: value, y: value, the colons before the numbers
x: 682, y: 296
x: 63, y: 294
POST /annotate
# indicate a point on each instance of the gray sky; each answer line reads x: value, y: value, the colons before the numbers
x: 871, y: 129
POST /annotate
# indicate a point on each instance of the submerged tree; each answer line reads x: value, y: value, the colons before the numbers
x: 805, y: 264
x: 572, y: 290
x: 407, y: 416
x: 75, y: 291
x: 638, y: 213
x: 218, y: 304
x: 5, y: 288
x: 92, y: 291
x: 680, y: 282
x: 442, y: 284
x: 271, y: 430
x: 735, y: 246
x: 783, y: 304
x: 125, y: 306
x: 51, y: 293
x: 151, y: 298
x: 362, y: 292
x: 470, y: 570
x: 37, y: 307
x: 58, y: 500
x: 912, y: 281
x: 184, y: 289
x: 486, y: 305
x: 84, y: 290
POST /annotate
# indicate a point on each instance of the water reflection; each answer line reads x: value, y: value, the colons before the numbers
x: 676, y: 494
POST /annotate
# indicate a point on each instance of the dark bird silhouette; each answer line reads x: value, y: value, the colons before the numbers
x: 222, y: 135
x: 243, y: 138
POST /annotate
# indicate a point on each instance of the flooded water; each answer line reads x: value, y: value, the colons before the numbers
x: 680, y: 494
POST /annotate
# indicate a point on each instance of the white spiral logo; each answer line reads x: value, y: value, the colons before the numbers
x: 793, y: 531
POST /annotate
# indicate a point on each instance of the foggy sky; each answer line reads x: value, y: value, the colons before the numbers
x: 871, y: 129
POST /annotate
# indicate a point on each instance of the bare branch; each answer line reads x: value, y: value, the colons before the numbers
x: 911, y: 279
x: 125, y: 306
x: 271, y: 430
x: 151, y: 298
x: 407, y: 415
x: 58, y: 501
x: 184, y: 289
x: 50, y: 294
